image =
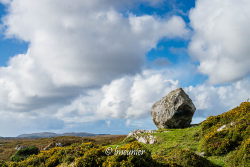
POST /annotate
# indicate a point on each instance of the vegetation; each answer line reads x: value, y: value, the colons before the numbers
x: 221, y: 140
x: 23, y: 153
x: 183, y: 157
x: 7, y: 146
x: 224, y: 133
x: 240, y: 157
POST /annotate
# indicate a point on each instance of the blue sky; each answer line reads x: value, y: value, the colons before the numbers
x: 9, y: 47
x: 174, y: 50
x: 99, y: 66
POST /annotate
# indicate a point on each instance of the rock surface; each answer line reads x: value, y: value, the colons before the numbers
x: 18, y: 147
x: 52, y: 145
x: 174, y: 110
x: 143, y: 136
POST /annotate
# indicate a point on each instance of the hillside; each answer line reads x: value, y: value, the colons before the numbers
x: 222, y: 140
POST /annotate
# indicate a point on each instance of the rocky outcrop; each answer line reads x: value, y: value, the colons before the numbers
x: 143, y: 136
x: 174, y: 110
x: 52, y: 145
x: 224, y: 127
x: 18, y: 147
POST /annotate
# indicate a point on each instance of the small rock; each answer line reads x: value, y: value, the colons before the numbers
x: 52, y: 145
x: 221, y: 128
x: 142, y: 139
x: 59, y: 145
x: 139, y: 131
x: 232, y: 123
x: 151, y: 140
x: 143, y: 136
x: 202, y: 154
x: 18, y: 147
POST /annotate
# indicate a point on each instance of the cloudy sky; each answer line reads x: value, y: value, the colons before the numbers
x: 98, y: 66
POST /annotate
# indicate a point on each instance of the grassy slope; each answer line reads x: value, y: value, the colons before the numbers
x: 176, y: 138
x: 169, y: 139
x: 193, y: 137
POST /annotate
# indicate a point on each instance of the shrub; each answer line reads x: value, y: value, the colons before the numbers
x: 182, y: 158
x: 93, y: 157
x: 24, y: 153
x: 128, y: 140
x: 53, y: 161
x: 3, y: 164
x: 240, y: 157
x: 133, y: 160
x: 236, y: 130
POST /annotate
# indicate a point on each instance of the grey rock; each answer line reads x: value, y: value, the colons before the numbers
x: 18, y: 147
x: 174, y: 110
x: 143, y: 136
x: 202, y: 154
x: 225, y: 127
x: 52, y: 145
x: 221, y: 128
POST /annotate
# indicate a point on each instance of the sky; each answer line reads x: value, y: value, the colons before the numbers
x: 98, y: 66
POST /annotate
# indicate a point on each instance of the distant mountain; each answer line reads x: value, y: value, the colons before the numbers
x: 38, y: 135
x: 49, y: 134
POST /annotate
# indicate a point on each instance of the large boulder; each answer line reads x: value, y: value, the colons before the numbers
x: 174, y: 110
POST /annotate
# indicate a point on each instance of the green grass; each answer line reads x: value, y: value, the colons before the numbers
x: 218, y: 160
x: 176, y: 138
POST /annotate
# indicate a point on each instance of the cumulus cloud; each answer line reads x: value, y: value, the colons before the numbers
x: 220, y: 41
x: 129, y: 97
x: 125, y: 103
x: 85, y: 58
x: 213, y: 100
x: 75, y: 46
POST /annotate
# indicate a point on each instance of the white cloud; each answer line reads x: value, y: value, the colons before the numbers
x: 74, y: 46
x: 85, y: 60
x: 126, y: 98
x: 12, y: 124
x: 131, y: 98
x: 221, y: 38
x: 5, y: 1
x: 213, y: 100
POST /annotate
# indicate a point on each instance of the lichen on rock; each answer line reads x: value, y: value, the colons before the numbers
x: 174, y: 110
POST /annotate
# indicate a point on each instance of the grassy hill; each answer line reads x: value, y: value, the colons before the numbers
x: 221, y: 140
